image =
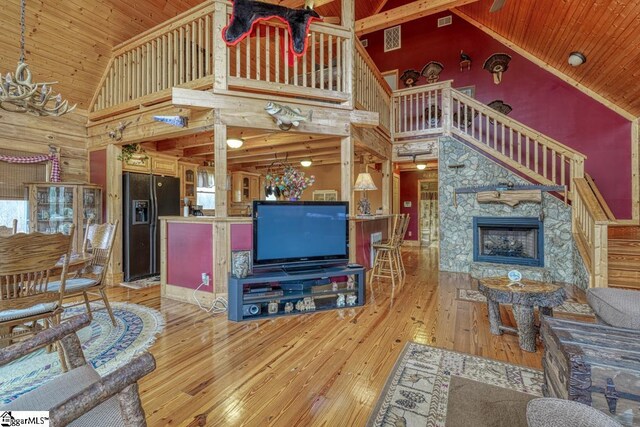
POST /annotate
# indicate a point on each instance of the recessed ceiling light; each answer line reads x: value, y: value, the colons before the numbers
x: 305, y: 163
x: 577, y: 58
x: 235, y: 142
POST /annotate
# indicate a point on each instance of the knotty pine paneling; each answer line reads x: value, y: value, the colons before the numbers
x: 34, y: 134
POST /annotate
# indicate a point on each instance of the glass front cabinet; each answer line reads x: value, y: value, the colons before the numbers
x: 53, y: 207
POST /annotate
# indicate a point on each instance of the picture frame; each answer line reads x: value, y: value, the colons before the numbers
x: 241, y: 263
x: 468, y: 90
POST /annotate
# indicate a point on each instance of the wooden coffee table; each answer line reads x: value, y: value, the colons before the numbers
x: 523, y: 295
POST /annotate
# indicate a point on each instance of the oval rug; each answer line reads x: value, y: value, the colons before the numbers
x: 106, y: 347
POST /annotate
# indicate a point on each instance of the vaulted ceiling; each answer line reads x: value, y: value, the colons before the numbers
x: 70, y: 41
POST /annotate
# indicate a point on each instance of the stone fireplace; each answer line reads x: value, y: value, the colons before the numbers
x: 508, y: 240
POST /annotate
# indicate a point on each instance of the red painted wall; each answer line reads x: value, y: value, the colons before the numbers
x: 189, y: 254
x: 409, y: 193
x: 539, y: 99
x: 98, y: 175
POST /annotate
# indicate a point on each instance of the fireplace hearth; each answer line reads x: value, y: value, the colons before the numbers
x: 508, y: 240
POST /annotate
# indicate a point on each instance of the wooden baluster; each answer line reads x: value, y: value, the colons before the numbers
x: 527, y: 152
x: 563, y: 178
x: 187, y: 50
x: 170, y: 59
x: 247, y: 58
x: 503, y: 139
x: 554, y: 160
x: 322, y: 65
x: 238, y: 56
x: 511, y: 143
x: 536, y: 162
x: 404, y: 113
x: 330, y: 63
x: 182, y: 56
x: 480, y: 121
x: 313, y: 59
x: 287, y: 52
x: 519, y: 148
x: 267, y: 46
x: 200, y: 48
x: 194, y: 51
x: 545, y: 170
x: 339, y: 64
x: 120, y: 80
x: 176, y: 58
x: 207, y: 46
x: 295, y: 70
x: 165, y: 62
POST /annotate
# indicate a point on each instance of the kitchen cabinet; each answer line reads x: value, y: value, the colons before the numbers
x: 53, y: 207
x: 151, y: 163
x: 245, y: 188
x: 188, y: 181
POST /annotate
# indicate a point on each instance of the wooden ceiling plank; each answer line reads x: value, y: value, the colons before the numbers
x: 545, y: 65
x: 399, y: 15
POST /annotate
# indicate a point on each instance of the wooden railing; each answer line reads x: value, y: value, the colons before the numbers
x: 590, y: 228
x: 437, y: 108
x: 371, y: 92
x: 265, y: 63
x: 188, y: 50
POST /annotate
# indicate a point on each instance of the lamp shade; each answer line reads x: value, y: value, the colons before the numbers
x: 576, y: 59
x: 235, y: 142
x: 364, y: 182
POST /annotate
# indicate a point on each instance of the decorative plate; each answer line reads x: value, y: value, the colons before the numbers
x: 514, y: 276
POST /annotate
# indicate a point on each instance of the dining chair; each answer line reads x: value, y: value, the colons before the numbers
x: 89, y: 281
x: 80, y: 396
x: 27, y: 263
x: 7, y: 231
x: 386, y: 264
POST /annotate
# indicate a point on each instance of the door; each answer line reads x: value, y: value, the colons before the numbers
x: 396, y: 193
x: 428, y: 210
x: 136, y: 212
x: 165, y: 197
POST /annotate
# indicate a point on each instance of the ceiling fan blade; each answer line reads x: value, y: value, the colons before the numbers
x: 497, y: 5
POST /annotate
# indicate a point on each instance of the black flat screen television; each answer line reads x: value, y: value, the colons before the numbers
x: 294, y: 235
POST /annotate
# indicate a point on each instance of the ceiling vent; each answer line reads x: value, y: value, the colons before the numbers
x: 365, y: 42
x: 444, y: 21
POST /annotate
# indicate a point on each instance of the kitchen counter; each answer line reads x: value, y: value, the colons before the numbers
x: 369, y: 218
x: 205, y: 219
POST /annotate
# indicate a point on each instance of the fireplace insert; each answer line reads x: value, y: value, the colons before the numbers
x: 508, y: 240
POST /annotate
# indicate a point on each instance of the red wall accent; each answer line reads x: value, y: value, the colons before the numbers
x: 98, y: 175
x: 364, y: 229
x: 189, y: 254
x: 241, y: 237
x: 539, y: 99
x: 409, y: 193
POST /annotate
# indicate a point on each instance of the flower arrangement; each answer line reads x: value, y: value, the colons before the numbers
x: 291, y: 184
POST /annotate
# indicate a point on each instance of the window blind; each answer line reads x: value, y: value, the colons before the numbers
x: 14, y: 175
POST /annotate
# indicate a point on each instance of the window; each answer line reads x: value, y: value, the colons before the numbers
x: 392, y: 38
x: 205, y: 189
x: 13, y: 198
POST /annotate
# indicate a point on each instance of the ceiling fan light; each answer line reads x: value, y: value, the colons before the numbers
x: 421, y: 166
x: 305, y: 163
x: 235, y: 142
x: 576, y: 59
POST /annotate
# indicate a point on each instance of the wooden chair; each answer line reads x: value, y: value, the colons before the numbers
x: 403, y: 231
x: 8, y: 231
x: 80, y: 395
x: 90, y: 280
x: 385, y: 264
x: 27, y: 262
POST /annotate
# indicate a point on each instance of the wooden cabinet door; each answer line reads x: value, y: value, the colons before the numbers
x: 164, y: 166
x: 254, y: 188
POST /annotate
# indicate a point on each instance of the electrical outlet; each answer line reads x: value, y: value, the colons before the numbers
x: 205, y: 279
x: 410, y: 234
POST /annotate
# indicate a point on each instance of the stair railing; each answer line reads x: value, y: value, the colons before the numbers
x: 372, y: 92
x: 590, y: 228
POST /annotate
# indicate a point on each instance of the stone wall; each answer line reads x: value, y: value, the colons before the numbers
x: 456, y: 223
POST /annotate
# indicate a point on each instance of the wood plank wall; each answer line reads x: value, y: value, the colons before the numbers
x: 34, y: 134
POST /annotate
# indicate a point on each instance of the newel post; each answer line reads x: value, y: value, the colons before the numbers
x: 220, y: 58
x: 447, y: 104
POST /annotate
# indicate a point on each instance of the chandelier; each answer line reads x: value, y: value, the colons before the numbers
x: 19, y: 94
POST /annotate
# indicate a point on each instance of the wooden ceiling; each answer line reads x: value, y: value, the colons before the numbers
x: 70, y: 42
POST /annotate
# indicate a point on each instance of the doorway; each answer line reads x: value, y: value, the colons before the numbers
x: 396, y: 194
x: 429, y: 226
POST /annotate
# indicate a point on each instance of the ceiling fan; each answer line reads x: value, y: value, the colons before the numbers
x: 497, y: 5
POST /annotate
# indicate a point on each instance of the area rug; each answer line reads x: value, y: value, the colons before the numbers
x: 105, y: 346
x: 568, y: 307
x: 429, y: 385
x: 142, y: 283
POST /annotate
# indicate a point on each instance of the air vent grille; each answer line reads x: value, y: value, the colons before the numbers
x: 392, y: 38
x: 444, y: 21
x: 365, y: 42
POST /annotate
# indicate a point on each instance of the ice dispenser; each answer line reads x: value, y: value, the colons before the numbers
x: 140, y: 212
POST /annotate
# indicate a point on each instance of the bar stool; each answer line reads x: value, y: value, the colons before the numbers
x: 403, y: 231
x: 386, y: 264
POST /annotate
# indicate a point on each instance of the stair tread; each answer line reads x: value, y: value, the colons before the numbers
x: 624, y: 232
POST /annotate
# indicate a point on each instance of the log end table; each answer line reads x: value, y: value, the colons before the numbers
x: 524, y: 296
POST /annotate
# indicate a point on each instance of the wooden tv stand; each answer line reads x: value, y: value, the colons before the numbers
x: 260, y: 289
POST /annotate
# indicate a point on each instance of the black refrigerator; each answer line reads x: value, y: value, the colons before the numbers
x: 145, y: 198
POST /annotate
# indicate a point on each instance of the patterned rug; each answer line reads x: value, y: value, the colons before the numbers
x: 417, y: 391
x: 105, y: 346
x: 569, y: 307
x: 142, y: 283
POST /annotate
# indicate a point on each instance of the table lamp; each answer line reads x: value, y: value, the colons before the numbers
x: 364, y: 182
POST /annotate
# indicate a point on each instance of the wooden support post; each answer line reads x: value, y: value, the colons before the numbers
x: 220, y: 58
x: 220, y: 253
x: 114, y: 211
x: 348, y: 21
x: 387, y: 177
x: 447, y: 111
x: 347, y: 149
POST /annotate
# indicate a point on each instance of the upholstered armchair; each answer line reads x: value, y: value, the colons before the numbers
x: 616, y: 307
x: 80, y: 397
x: 551, y: 412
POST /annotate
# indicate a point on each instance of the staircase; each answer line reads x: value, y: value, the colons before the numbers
x: 624, y: 256
x: 611, y: 252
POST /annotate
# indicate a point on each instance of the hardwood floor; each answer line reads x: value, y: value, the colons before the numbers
x: 323, y: 369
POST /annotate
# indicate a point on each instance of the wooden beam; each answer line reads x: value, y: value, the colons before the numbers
x: 373, y: 141
x: 248, y: 112
x: 380, y: 6
x: 406, y: 13
x: 114, y: 211
x: 346, y: 187
x: 546, y: 66
x: 387, y: 176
